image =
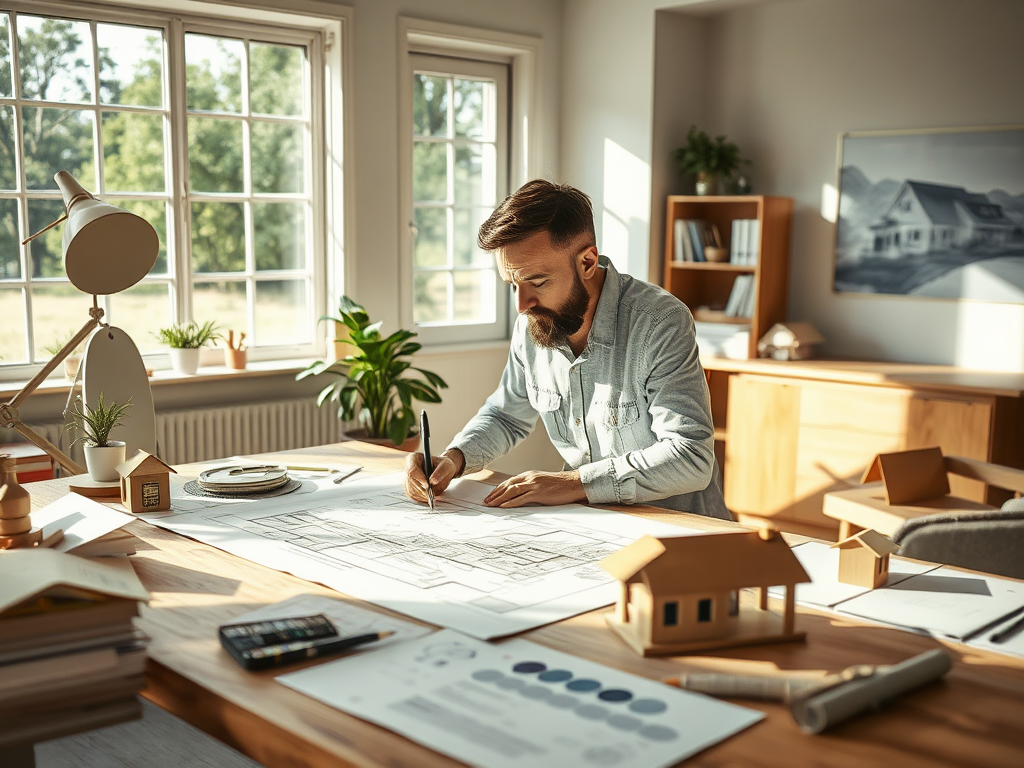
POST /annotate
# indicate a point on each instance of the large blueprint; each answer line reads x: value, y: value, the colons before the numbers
x: 486, y: 572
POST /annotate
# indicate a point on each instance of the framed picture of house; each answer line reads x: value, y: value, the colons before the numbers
x: 932, y: 213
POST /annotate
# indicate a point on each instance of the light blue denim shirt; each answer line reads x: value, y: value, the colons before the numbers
x: 632, y: 413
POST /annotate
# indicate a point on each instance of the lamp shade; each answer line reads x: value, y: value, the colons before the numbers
x: 106, y: 249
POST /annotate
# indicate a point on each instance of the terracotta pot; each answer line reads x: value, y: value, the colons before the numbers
x: 411, y: 443
x: 102, y: 460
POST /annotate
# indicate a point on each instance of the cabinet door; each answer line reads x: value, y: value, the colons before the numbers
x: 959, y: 428
x: 761, y: 446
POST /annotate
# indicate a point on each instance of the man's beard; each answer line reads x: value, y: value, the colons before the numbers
x: 552, y: 328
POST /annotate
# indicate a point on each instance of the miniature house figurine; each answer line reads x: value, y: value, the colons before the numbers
x: 789, y: 341
x: 681, y: 593
x: 864, y: 559
x: 145, y: 483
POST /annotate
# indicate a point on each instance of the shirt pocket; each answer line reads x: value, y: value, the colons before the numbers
x: 623, y: 425
x: 549, y: 406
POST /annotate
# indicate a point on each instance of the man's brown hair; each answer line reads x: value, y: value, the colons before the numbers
x: 562, y: 211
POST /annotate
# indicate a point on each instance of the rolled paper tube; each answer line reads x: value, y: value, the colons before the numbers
x: 817, y: 712
x: 780, y: 688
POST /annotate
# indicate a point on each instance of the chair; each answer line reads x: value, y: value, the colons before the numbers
x: 991, y: 541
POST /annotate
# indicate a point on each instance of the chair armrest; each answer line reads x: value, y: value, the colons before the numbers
x: 993, y: 474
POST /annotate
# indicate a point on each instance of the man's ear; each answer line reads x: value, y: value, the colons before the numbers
x: 587, y: 262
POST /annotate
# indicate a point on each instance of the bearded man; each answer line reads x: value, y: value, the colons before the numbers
x: 609, y: 364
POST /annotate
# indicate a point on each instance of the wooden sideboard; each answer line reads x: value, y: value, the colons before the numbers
x: 789, y: 432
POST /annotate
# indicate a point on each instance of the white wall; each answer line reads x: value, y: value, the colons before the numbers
x: 788, y: 78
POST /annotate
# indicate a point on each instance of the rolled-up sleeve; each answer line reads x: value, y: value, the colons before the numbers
x: 682, y: 457
x: 505, y: 419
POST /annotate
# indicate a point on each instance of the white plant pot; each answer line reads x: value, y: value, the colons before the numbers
x: 102, y: 461
x: 185, y: 360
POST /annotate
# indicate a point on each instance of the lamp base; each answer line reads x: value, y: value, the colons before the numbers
x: 84, y: 485
x: 32, y: 538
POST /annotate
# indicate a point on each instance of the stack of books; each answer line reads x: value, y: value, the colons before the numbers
x: 745, y: 242
x: 691, y: 237
x: 730, y: 340
x: 70, y: 656
x: 31, y: 462
x: 741, y: 297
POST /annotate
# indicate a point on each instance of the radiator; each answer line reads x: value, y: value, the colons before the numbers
x: 199, y: 434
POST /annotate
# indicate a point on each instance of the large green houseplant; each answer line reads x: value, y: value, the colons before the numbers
x: 371, y: 382
x: 710, y: 160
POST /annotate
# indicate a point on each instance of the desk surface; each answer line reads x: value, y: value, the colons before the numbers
x: 972, y: 718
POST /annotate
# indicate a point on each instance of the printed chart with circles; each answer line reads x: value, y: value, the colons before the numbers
x: 521, y: 704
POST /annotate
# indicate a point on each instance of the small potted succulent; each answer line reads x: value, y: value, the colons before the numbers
x: 102, y: 455
x: 711, y: 161
x: 371, y: 383
x: 185, y: 341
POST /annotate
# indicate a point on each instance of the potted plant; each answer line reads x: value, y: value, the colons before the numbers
x: 185, y: 341
x: 371, y: 382
x: 710, y: 160
x: 73, y: 360
x: 102, y: 455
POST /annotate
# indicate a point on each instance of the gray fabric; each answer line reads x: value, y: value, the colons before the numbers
x: 1014, y: 505
x: 632, y: 413
x: 988, y: 541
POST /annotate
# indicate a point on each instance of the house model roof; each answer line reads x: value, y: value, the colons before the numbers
x: 869, y: 539
x: 711, y: 560
x: 142, y: 460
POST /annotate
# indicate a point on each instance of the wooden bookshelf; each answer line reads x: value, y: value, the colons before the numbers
x: 699, y: 284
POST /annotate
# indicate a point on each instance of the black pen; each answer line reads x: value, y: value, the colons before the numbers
x: 1011, y: 631
x: 286, y: 653
x: 428, y: 467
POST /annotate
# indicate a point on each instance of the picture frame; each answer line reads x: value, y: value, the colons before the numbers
x: 935, y: 213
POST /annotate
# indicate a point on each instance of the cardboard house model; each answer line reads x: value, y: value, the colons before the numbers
x: 681, y: 593
x: 145, y: 483
x: 864, y: 559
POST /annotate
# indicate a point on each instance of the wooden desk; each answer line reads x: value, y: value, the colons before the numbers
x: 972, y: 718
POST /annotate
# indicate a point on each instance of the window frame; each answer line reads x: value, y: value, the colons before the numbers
x: 331, y: 200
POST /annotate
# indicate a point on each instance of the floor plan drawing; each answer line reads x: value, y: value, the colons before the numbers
x: 487, y: 572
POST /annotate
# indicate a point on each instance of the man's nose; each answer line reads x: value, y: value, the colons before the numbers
x: 525, y: 298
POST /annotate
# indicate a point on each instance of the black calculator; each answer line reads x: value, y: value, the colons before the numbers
x: 241, y: 640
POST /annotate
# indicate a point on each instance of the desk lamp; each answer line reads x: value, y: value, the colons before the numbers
x: 106, y: 250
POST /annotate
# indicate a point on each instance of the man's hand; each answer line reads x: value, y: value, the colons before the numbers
x: 547, y: 488
x: 447, y: 467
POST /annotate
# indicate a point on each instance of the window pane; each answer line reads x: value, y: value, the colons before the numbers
x: 55, y: 58
x: 474, y: 104
x: 224, y: 303
x: 474, y: 296
x: 279, y: 235
x: 278, y: 157
x: 131, y: 65
x: 8, y: 164
x: 218, y: 237
x: 475, y: 174
x: 12, y: 340
x: 276, y: 77
x: 10, y: 247
x: 6, y: 85
x: 431, y: 245
x: 213, y: 73
x: 215, y: 155
x: 155, y: 212
x: 429, y: 106
x: 58, y: 139
x: 46, y: 251
x: 133, y: 152
x: 429, y: 172
x: 58, y: 311
x: 467, y: 222
x: 141, y: 311
x: 282, y: 314
x: 430, y: 297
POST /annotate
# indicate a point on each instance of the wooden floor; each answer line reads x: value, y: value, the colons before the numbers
x: 158, y: 740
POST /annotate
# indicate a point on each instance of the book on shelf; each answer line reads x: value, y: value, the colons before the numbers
x: 697, y: 239
x: 681, y: 237
x: 746, y: 241
x: 740, y: 297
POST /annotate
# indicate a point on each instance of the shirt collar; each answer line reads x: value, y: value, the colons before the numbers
x: 602, y: 331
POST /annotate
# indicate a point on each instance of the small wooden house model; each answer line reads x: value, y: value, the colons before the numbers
x: 864, y: 559
x: 145, y: 483
x: 681, y: 593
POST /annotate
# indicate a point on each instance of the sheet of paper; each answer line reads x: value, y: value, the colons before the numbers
x: 347, y: 618
x: 81, y: 519
x: 486, y: 572
x: 825, y: 590
x: 943, y: 602
x: 1012, y: 646
x: 518, y: 704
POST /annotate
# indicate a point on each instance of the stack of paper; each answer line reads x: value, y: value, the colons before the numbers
x: 69, y: 654
x: 723, y: 339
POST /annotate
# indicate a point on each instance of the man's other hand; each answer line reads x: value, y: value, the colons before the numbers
x: 447, y: 467
x: 547, y: 488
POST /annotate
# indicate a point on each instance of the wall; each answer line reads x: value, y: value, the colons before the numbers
x: 788, y: 78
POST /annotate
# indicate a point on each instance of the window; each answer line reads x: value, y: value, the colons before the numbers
x: 210, y: 133
x: 459, y: 172
x: 704, y: 610
x: 671, y: 614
